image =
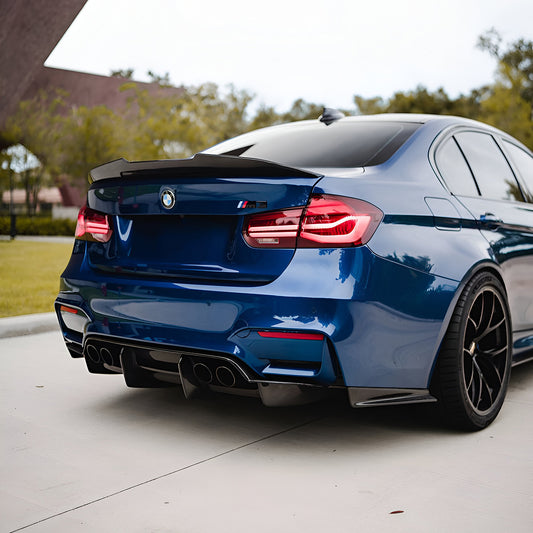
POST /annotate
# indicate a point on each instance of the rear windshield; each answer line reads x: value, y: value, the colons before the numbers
x: 342, y: 144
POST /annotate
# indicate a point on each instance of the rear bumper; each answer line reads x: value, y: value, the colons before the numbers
x: 147, y: 364
x: 369, y: 332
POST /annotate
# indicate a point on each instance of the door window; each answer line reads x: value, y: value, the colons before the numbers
x: 524, y: 163
x: 454, y: 169
x: 492, y: 173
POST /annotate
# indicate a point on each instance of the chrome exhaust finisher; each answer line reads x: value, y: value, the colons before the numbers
x: 202, y: 373
x: 106, y: 356
x: 225, y: 376
x: 92, y: 353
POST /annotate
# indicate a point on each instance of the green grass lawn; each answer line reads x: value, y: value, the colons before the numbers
x: 29, y: 275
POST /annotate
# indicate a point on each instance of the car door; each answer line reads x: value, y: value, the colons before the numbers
x: 484, y: 181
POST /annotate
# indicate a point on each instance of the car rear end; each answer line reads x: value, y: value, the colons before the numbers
x: 238, y: 275
x: 180, y: 272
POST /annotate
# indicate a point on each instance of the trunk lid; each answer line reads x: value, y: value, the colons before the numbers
x: 197, y: 235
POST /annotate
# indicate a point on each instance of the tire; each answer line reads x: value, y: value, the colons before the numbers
x: 474, y: 362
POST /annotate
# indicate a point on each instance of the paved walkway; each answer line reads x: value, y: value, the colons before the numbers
x: 82, y: 452
x: 38, y: 238
x: 15, y: 326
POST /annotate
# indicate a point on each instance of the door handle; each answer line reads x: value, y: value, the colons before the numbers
x: 490, y: 220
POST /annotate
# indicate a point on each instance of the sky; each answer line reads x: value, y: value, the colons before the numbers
x: 322, y: 51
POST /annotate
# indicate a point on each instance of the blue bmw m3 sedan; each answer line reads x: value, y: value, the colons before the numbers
x: 390, y: 256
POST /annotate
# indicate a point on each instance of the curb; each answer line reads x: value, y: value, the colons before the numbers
x: 39, y: 238
x: 15, y: 326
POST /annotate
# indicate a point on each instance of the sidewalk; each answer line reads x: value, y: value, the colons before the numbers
x: 82, y: 452
x: 15, y: 326
x: 39, y: 238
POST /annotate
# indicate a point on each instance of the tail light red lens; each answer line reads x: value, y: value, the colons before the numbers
x: 93, y: 226
x: 277, y: 229
x: 327, y: 222
x: 331, y: 221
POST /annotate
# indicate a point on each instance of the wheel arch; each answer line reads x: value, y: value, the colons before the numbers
x: 481, y: 266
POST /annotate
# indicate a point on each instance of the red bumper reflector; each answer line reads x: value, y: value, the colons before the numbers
x: 68, y: 309
x: 291, y: 335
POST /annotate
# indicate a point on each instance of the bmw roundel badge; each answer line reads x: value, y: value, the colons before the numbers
x: 168, y: 198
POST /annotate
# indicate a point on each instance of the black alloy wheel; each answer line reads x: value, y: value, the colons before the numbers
x: 474, y: 362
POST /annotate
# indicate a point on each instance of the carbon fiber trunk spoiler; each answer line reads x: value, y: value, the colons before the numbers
x: 199, y: 163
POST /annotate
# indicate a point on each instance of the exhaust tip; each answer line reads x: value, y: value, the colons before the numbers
x: 92, y: 353
x: 225, y: 376
x: 202, y: 373
x: 106, y: 356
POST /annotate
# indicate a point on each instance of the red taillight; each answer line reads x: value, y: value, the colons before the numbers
x: 331, y: 221
x: 276, y: 229
x: 92, y: 226
x: 327, y: 222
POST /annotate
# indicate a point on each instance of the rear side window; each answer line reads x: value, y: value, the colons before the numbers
x: 493, y: 174
x: 524, y: 163
x: 454, y: 169
x: 343, y: 144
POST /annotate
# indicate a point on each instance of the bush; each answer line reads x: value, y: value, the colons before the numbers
x: 39, y: 226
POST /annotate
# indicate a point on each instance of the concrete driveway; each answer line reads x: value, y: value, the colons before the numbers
x: 83, y: 452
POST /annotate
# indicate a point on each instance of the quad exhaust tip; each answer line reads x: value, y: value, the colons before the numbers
x: 93, y: 354
x: 202, y: 373
x: 223, y: 375
x: 106, y: 356
x: 100, y: 356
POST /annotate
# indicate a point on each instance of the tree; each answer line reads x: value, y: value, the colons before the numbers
x: 126, y: 73
x: 420, y: 100
x: 299, y: 110
x: 508, y: 103
x: 37, y: 126
x: 172, y: 125
x: 150, y: 128
x: 504, y: 108
x: 90, y: 136
x: 370, y: 106
x: 6, y: 172
x: 67, y: 142
x: 28, y: 173
x: 515, y: 64
x: 162, y: 80
x: 302, y: 110
x: 264, y: 116
x: 161, y: 124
